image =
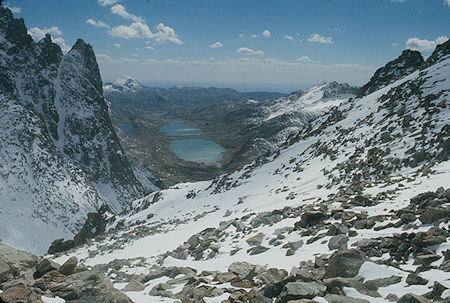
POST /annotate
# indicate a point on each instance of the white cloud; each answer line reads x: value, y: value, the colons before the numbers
x: 254, y: 35
x: 97, y: 23
x: 304, y: 59
x: 134, y: 30
x: 149, y: 47
x: 266, y: 33
x: 141, y: 30
x: 250, y: 52
x: 166, y: 34
x: 394, y: 44
x: 60, y: 41
x: 424, y: 44
x: 320, y: 39
x: 397, y: 1
x: 216, y: 45
x: 39, y: 33
x: 447, y: 2
x: 117, y: 45
x: 15, y: 10
x: 289, y: 37
x: 120, y: 10
x: 241, y: 36
x: 107, y: 2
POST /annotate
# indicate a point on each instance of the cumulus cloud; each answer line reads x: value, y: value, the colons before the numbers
x: 39, y: 33
x: 216, y: 45
x: 166, y: 34
x: 424, y: 44
x: 266, y: 33
x: 97, y: 23
x: 117, y: 45
x: 241, y: 36
x: 141, y: 30
x: 120, y: 10
x: 249, y: 52
x: 15, y: 10
x: 107, y: 2
x: 289, y: 37
x: 254, y: 35
x: 62, y: 43
x: 447, y: 2
x: 304, y: 59
x: 320, y: 39
x: 149, y: 47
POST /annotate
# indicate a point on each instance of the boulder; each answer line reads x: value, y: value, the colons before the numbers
x: 431, y: 215
x: 69, y: 266
x: 257, y: 250
x: 256, y: 239
x: 337, y: 229
x: 4, y: 269
x: 309, y: 218
x: 301, y: 290
x: 11, y: 255
x: 412, y: 298
x: 414, y: 279
x: 343, y: 299
x: 134, y: 286
x: 241, y: 269
x: 44, y: 267
x: 225, y: 277
x: 19, y: 294
x: 344, y: 264
x: 338, y: 242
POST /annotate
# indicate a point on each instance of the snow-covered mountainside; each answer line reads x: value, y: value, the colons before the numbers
x: 124, y: 84
x: 353, y: 208
x: 59, y: 155
x: 316, y: 99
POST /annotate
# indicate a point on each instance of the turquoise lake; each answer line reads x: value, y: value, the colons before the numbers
x: 187, y: 144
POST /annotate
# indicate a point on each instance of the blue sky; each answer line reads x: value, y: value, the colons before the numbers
x: 249, y: 45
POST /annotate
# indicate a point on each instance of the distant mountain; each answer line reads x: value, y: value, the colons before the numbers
x: 126, y: 91
x: 124, y: 84
x: 60, y: 157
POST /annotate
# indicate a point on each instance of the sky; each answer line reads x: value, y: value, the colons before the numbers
x: 269, y: 45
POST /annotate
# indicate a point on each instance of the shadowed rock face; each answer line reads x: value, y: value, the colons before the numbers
x: 408, y: 62
x: 60, y: 158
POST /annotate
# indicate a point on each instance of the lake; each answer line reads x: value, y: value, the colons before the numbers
x: 187, y: 144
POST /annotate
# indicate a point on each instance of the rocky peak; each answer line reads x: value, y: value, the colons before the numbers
x: 440, y: 52
x: 89, y: 62
x: 408, y: 62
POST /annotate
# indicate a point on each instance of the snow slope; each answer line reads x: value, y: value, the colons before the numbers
x: 364, y: 160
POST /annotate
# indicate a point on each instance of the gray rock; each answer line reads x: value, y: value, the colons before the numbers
x: 4, y: 269
x: 412, y: 298
x: 414, y: 279
x: 432, y: 215
x: 256, y: 239
x: 68, y: 267
x: 343, y: 299
x: 241, y: 269
x: 294, y: 246
x: 382, y: 282
x: 228, y: 213
x: 134, y: 286
x: 225, y: 277
x: 338, y: 242
x: 426, y: 260
x: 44, y: 267
x: 337, y: 229
x: 344, y: 264
x: 301, y: 290
x: 257, y: 250
x: 11, y: 255
x: 407, y: 217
